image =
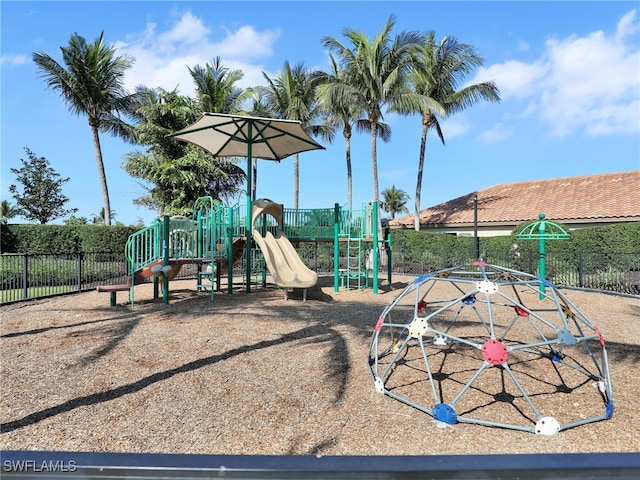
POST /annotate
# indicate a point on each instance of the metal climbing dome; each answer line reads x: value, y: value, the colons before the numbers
x: 480, y: 344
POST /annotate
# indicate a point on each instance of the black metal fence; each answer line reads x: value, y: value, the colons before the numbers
x: 25, y: 276
x: 615, y: 272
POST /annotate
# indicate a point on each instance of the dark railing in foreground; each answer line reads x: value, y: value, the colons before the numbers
x: 26, y: 276
x: 50, y: 465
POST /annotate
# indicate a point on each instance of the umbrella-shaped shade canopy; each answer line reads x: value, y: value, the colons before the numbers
x: 238, y: 136
x: 225, y: 135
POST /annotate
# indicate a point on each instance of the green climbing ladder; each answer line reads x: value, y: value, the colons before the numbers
x: 355, y: 271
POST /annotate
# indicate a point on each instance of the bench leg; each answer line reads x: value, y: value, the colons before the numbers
x: 112, y: 299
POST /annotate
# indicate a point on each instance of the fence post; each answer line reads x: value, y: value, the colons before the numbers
x: 580, y: 268
x: 79, y: 270
x: 315, y: 255
x: 25, y: 276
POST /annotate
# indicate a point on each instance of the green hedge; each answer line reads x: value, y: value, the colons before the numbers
x: 64, y: 238
x: 620, y: 238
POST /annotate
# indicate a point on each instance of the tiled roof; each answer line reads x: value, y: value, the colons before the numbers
x: 589, y: 198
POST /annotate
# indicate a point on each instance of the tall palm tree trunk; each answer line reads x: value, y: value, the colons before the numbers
x: 423, y: 147
x: 376, y: 193
x: 347, y: 143
x: 296, y: 180
x: 374, y: 161
x: 102, y: 175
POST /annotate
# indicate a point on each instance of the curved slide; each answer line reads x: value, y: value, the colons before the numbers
x: 283, y: 262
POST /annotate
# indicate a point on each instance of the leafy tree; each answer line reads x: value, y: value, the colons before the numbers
x: 395, y: 201
x: 438, y: 70
x: 291, y: 95
x: 91, y: 83
x: 41, y: 198
x: 176, y: 174
x: 7, y: 211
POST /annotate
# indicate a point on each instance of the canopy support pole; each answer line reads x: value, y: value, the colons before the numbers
x: 247, y: 245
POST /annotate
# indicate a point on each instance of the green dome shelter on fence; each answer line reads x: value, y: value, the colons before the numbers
x: 542, y: 230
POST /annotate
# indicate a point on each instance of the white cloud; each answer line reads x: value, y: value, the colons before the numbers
x: 162, y: 58
x: 594, y: 80
x: 513, y: 78
x: 187, y: 31
x: 13, y: 59
x: 453, y: 127
x: 496, y: 134
x: 587, y: 83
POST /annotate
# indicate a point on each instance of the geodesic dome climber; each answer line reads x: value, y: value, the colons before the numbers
x: 479, y: 344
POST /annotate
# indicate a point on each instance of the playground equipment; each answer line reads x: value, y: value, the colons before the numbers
x: 284, y: 264
x: 225, y: 135
x: 361, y: 236
x: 215, y: 239
x: 483, y: 344
x: 542, y: 230
x: 160, y: 250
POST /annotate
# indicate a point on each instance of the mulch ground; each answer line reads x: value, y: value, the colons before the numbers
x: 255, y: 374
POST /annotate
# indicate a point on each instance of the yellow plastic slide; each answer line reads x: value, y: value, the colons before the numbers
x: 283, y: 262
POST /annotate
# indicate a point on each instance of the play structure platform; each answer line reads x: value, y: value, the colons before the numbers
x: 216, y: 238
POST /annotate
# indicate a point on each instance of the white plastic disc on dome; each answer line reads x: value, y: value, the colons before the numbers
x: 418, y: 327
x: 547, y: 426
x: 485, y: 286
x: 440, y: 340
x: 379, y: 385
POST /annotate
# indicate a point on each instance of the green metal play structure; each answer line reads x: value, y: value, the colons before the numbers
x: 213, y: 237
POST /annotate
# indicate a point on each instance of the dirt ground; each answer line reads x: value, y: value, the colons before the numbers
x: 256, y: 374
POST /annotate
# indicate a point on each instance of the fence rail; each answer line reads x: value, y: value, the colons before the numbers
x: 26, y: 276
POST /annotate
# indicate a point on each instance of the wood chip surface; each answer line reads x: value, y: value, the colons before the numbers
x: 255, y: 374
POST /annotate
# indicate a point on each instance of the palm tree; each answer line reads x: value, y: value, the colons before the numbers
x: 7, y: 211
x: 216, y: 87
x: 375, y: 77
x: 291, y: 95
x: 395, y: 201
x: 91, y: 84
x: 99, y: 219
x: 342, y: 112
x: 438, y: 70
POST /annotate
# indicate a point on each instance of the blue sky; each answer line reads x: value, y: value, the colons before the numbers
x: 568, y: 73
